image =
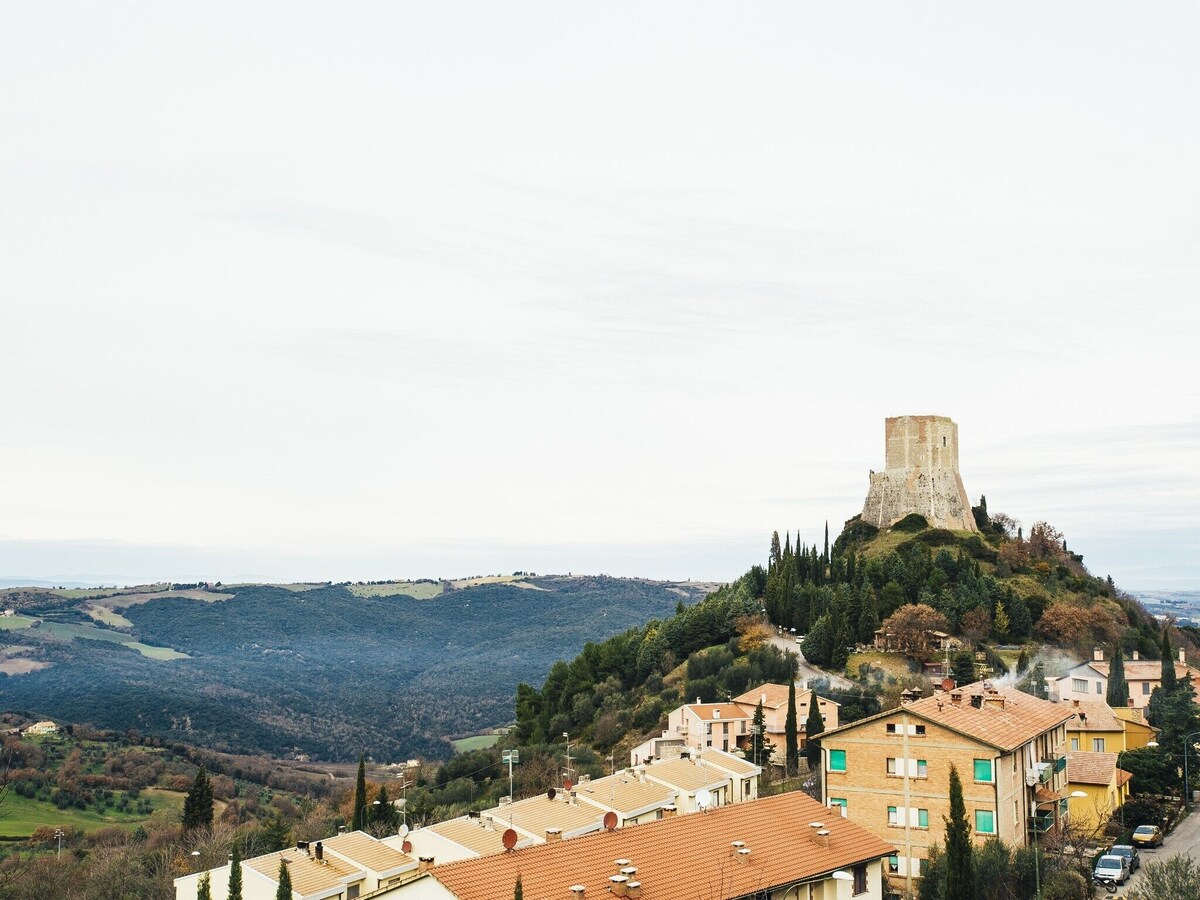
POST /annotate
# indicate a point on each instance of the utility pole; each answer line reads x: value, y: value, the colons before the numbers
x: 567, y: 773
x: 510, y: 757
x: 60, y: 834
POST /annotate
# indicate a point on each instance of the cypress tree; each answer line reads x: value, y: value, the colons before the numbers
x: 384, y: 814
x: 204, y: 889
x: 759, y: 726
x: 235, y: 873
x: 789, y: 729
x: 1168, y: 661
x: 198, y: 804
x: 284, y: 891
x: 960, y: 868
x: 518, y: 892
x: 358, y: 819
x: 1118, y: 689
x: 813, y: 726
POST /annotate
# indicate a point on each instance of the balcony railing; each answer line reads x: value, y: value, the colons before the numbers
x: 1040, y: 824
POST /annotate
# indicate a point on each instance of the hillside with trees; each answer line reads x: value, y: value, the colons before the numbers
x: 320, y: 671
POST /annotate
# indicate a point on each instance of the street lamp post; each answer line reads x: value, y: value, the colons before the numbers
x: 1187, y: 793
x: 568, y: 772
x: 60, y: 834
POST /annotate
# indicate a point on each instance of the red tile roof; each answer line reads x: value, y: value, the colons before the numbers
x: 679, y: 858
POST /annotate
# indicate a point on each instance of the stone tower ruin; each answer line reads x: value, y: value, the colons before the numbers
x: 921, y: 476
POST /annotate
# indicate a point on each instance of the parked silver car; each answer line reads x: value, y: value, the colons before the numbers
x: 1111, y: 869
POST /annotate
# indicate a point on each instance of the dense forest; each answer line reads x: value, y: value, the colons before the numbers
x: 324, y: 672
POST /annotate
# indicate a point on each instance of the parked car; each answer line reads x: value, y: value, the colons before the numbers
x: 1148, y: 836
x: 1111, y: 869
x: 1130, y: 853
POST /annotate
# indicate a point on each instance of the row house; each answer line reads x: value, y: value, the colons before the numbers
x: 1089, y: 680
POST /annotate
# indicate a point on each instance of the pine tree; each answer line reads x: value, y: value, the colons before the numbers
x: 358, y: 820
x: 1118, y: 689
x: 960, y: 869
x: 776, y: 552
x: 518, y: 891
x: 1168, y: 661
x: 235, y: 873
x: 384, y: 814
x: 198, y: 804
x: 789, y: 729
x: 204, y: 888
x: 825, y: 555
x: 284, y: 892
x: 1000, y: 622
x: 813, y: 726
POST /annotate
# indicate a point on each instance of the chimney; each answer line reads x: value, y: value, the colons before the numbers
x: 717, y: 712
x: 1097, y: 655
x: 577, y: 892
x: 956, y: 698
x: 1129, y: 702
x: 553, y: 835
x: 977, y: 701
x: 424, y: 864
x: 762, y: 698
x: 668, y: 810
x: 319, y: 851
x: 341, y: 829
x: 1181, y: 657
x: 633, y: 889
x: 743, y: 855
x: 1075, y: 703
x: 821, y: 838
x: 698, y: 701
x: 629, y: 871
x: 1136, y: 655
x: 995, y: 699
x: 617, y: 885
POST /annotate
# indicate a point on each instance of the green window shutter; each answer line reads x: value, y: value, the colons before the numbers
x: 837, y: 760
x: 985, y: 822
x: 983, y: 770
x: 922, y: 818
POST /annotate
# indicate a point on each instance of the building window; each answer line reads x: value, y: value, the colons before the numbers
x: 1145, y: 687
x: 839, y: 802
x: 891, y: 766
x: 985, y: 821
x: 922, y: 818
x: 893, y: 864
x: 891, y: 727
x: 1074, y: 743
x: 1099, y: 687
x: 860, y: 878
x: 1079, y: 685
x: 983, y: 770
x: 352, y: 891
x: 837, y: 760
x: 923, y: 867
x: 893, y: 816
x: 1097, y: 745
x: 920, y: 730
x: 922, y: 769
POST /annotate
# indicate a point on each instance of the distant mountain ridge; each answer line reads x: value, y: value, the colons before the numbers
x: 323, y: 670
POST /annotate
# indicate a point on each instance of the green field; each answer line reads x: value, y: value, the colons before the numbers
x: 108, y: 617
x: 422, y: 590
x: 67, y: 631
x: 894, y: 664
x: 478, y: 742
x: 20, y: 816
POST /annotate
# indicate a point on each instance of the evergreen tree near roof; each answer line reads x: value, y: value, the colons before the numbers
x: 198, y: 804
x: 789, y: 729
x: 1118, y: 687
x: 284, y: 891
x: 518, y: 891
x: 1168, y: 661
x: 813, y: 726
x: 204, y: 888
x: 358, y: 820
x: 235, y: 873
x: 384, y: 813
x: 960, y: 868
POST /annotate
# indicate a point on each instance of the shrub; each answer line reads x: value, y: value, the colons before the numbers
x: 912, y: 523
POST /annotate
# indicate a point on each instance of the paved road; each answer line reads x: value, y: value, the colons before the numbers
x: 1183, y: 841
x: 807, y: 671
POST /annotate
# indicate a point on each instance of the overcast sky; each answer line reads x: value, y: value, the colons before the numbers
x: 343, y: 291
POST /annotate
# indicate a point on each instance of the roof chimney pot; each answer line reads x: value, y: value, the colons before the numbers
x: 1136, y: 655
x: 1097, y: 655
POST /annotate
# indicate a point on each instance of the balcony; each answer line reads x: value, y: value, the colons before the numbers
x: 1040, y: 824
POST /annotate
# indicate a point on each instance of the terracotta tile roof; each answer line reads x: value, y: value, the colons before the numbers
x: 1096, y: 716
x: 1123, y: 777
x: 471, y: 834
x: 1145, y: 669
x: 1021, y: 718
x: 624, y: 793
x: 777, y: 697
x: 1085, y: 767
x: 361, y: 848
x: 727, y: 711
x: 679, y: 858
x: 308, y: 875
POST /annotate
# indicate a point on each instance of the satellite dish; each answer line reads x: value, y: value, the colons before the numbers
x: 704, y: 798
x: 550, y: 794
x: 567, y: 784
x: 610, y: 820
x: 509, y: 839
x: 403, y: 831
x: 947, y: 684
x: 406, y: 846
